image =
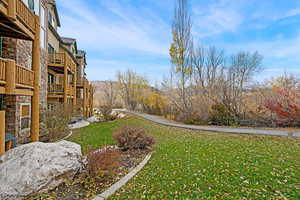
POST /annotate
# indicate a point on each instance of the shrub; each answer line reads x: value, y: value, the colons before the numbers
x: 103, y: 162
x: 285, y: 104
x: 56, y: 121
x: 107, y: 113
x: 221, y: 116
x: 133, y: 138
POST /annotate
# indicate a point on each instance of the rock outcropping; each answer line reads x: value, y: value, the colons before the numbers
x: 36, y: 167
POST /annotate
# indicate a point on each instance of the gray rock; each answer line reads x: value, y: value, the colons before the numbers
x: 36, y: 167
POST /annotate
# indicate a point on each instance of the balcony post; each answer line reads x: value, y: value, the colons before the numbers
x: 10, y: 77
x: 12, y: 9
x: 92, y: 100
x: 75, y: 86
x: 2, y: 132
x: 35, y: 107
x: 84, y: 99
x: 66, y: 80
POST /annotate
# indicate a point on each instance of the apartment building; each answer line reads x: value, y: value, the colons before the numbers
x: 38, y: 69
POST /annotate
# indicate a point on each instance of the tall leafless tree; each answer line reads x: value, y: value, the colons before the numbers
x: 241, y: 69
x: 180, y: 52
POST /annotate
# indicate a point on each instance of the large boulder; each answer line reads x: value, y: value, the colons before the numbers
x: 36, y: 167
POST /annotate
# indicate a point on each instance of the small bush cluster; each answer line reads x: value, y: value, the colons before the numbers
x: 103, y: 162
x: 221, y: 116
x: 56, y: 121
x: 107, y: 113
x: 129, y: 138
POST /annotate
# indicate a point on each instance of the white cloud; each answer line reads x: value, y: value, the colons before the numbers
x: 127, y: 30
x: 280, y: 48
x: 219, y: 17
x: 293, y: 12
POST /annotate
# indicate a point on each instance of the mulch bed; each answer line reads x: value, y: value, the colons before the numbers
x: 85, y: 186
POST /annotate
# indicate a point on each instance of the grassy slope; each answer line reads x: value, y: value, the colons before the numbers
x: 200, y: 165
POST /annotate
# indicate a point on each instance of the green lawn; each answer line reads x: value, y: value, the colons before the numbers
x: 201, y: 165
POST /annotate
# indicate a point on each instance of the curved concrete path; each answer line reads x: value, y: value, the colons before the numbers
x: 216, y: 129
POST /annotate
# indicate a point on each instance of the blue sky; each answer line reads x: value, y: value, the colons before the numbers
x: 136, y: 34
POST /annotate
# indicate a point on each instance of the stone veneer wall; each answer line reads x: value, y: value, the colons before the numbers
x: 43, y: 94
x: 13, y: 117
x: 24, y: 53
x: 44, y: 80
x: 9, y: 48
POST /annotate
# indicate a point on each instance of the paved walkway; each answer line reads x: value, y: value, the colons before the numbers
x: 217, y: 129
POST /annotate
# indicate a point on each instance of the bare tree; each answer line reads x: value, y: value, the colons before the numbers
x: 180, y: 52
x: 241, y: 70
x: 108, y: 100
x: 198, y: 60
x: 131, y: 87
x: 208, y: 67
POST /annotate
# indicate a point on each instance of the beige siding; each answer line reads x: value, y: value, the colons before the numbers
x: 53, y: 41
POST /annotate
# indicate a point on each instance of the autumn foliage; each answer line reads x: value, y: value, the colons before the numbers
x: 130, y: 138
x: 286, y: 105
x: 103, y: 162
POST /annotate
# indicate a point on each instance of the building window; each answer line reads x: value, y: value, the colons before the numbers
x: 25, y: 116
x: 51, y: 78
x: 31, y: 5
x: 50, y: 48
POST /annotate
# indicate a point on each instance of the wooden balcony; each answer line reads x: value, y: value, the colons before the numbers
x: 61, y: 60
x: 57, y: 90
x: 71, y: 90
x: 81, y: 81
x: 24, y: 77
x: 17, y: 20
x: 15, y: 79
x: 79, y: 102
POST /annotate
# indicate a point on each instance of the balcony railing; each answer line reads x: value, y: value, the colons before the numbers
x: 80, y: 80
x: 55, y: 88
x: 21, y: 16
x: 24, y: 77
x: 25, y: 15
x: 13, y: 76
x: 3, y: 66
x: 62, y: 59
x: 59, y: 89
x: 71, y: 90
x: 79, y: 101
x: 57, y: 58
x: 70, y: 63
